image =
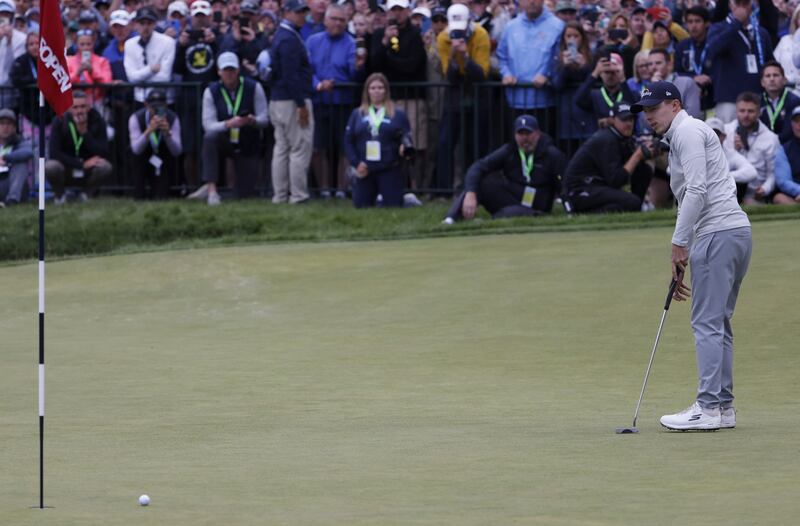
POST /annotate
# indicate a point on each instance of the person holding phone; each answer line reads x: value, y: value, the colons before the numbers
x: 155, y: 134
x: 600, y: 100
x: 86, y: 67
x: 12, y: 46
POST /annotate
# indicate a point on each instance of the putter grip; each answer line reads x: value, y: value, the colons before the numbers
x: 672, y: 286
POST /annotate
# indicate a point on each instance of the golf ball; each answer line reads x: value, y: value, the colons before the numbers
x: 144, y: 500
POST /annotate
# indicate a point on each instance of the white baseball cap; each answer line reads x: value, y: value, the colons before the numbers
x: 227, y: 60
x: 179, y: 6
x: 424, y: 11
x: 120, y: 17
x: 457, y: 17
x: 201, y: 7
x: 397, y: 3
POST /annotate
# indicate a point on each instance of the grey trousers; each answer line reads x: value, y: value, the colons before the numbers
x: 291, y: 156
x: 719, y: 263
x: 12, y: 187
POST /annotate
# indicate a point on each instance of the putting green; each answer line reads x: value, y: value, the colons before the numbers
x: 459, y: 381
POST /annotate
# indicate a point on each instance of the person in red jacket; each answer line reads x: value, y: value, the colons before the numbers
x: 86, y: 67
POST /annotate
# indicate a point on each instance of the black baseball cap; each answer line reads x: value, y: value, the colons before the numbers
x: 655, y: 94
x: 295, y: 5
x: 622, y: 110
x: 438, y: 12
x: 146, y: 13
x: 156, y: 96
x: 526, y: 123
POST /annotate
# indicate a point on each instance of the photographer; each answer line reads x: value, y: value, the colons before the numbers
x: 530, y: 169
x: 87, y: 67
x: 605, y: 163
x: 249, y: 40
x: 376, y: 140
x: 613, y: 88
x: 155, y: 134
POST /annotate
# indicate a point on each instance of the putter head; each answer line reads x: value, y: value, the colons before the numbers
x: 626, y: 430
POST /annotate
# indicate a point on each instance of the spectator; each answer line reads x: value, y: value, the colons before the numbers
x: 149, y: 56
x: 155, y: 134
x: 333, y: 61
x: 788, y: 177
x: 89, y: 19
x: 251, y: 41
x: 661, y: 70
x: 766, y: 16
x: 610, y: 159
x: 621, y: 41
x: 528, y: 182
x: 641, y: 72
x: 422, y: 14
x: 567, y: 11
x: 638, y: 23
x: 664, y: 32
x: 23, y: 77
x: 120, y: 27
x: 177, y: 18
x: 15, y: 152
x: 738, y: 50
x: 779, y: 101
x: 315, y: 23
x: 750, y: 137
x: 12, y: 46
x: 691, y: 54
x: 290, y: 108
x: 437, y: 95
x: 574, y: 123
x: 784, y: 51
x: 740, y: 168
x: 234, y: 112
x: 78, y: 150
x: 613, y: 89
x: 86, y: 67
x: 376, y: 138
x: 531, y: 63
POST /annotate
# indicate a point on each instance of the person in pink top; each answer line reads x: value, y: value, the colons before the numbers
x: 86, y: 67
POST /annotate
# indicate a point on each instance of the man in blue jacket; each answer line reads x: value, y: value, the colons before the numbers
x: 290, y: 108
x: 787, y: 178
x: 14, y: 156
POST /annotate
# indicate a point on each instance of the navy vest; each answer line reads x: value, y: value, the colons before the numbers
x: 163, y: 150
x: 249, y: 136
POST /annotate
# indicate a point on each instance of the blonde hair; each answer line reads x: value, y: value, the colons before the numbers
x: 634, y: 42
x: 641, y: 55
x: 387, y: 101
x: 793, y: 23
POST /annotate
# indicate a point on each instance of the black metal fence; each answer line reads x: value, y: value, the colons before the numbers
x: 451, y: 127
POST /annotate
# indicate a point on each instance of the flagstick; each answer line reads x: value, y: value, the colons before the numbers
x: 41, y: 300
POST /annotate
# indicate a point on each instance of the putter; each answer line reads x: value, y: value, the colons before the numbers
x: 633, y: 429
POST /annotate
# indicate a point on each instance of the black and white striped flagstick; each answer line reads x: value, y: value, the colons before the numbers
x: 41, y: 298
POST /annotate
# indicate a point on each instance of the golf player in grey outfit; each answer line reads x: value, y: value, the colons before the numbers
x: 712, y: 236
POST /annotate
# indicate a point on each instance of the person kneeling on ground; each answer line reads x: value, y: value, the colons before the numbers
x: 15, y: 152
x: 531, y: 168
x: 377, y: 137
x: 605, y: 163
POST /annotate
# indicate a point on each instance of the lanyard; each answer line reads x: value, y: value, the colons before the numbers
x: 756, y: 35
x: 77, y: 140
x: 608, y: 99
x: 527, y: 164
x: 774, y: 114
x: 697, y: 66
x: 155, y: 137
x: 5, y: 150
x: 233, y: 109
x: 376, y: 119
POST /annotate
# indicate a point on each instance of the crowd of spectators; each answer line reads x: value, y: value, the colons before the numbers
x: 375, y: 97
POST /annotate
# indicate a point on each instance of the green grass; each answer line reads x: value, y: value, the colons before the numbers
x: 119, y: 226
x: 472, y: 380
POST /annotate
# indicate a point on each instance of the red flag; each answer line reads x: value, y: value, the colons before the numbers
x: 53, y: 73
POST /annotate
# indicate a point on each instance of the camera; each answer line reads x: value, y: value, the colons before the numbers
x: 161, y: 111
x: 409, y: 152
x: 742, y: 133
x: 196, y: 34
x: 391, y: 22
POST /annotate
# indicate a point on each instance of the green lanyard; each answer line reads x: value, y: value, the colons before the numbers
x: 527, y: 164
x: 5, y: 150
x: 76, y: 139
x: 155, y: 138
x: 608, y: 99
x: 376, y: 119
x: 773, y: 114
x: 233, y: 109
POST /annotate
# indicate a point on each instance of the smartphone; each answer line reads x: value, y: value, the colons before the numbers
x: 657, y: 13
x: 86, y: 57
x: 617, y: 34
x: 217, y: 16
x: 196, y: 34
x: 244, y: 21
x: 572, y: 48
x: 161, y: 111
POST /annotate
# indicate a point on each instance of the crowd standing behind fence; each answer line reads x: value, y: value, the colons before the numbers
x: 460, y: 71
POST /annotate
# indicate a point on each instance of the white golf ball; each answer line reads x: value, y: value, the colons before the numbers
x: 144, y: 500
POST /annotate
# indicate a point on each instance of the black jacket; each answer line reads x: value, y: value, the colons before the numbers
x: 22, y: 78
x: 590, y: 98
x: 783, y: 123
x: 599, y: 161
x: 95, y: 141
x: 407, y: 64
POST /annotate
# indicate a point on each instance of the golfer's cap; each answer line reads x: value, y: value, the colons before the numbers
x: 120, y: 17
x: 227, y: 60
x: 526, y: 123
x: 403, y: 4
x: 156, y: 96
x: 7, y: 6
x: 295, y: 6
x: 439, y: 12
x: 8, y: 114
x: 622, y: 110
x: 87, y: 16
x: 457, y: 17
x: 566, y: 5
x: 422, y: 11
x: 178, y: 6
x: 248, y: 7
x: 716, y: 124
x: 146, y: 13
x: 655, y: 94
x: 200, y: 7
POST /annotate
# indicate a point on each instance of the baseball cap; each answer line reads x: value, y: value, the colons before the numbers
x: 622, y: 110
x: 87, y: 16
x: 7, y: 113
x: 656, y: 93
x: 397, y: 3
x: 146, y: 13
x: 7, y: 6
x: 566, y: 5
x: 795, y: 112
x: 266, y: 13
x: 716, y: 124
x: 638, y: 9
x: 178, y: 6
x: 98, y: 3
x: 248, y: 7
x: 120, y: 17
x: 201, y: 7
x: 526, y: 123
x: 156, y: 96
x: 457, y: 17
x: 295, y: 5
x: 616, y: 58
x: 660, y: 23
x: 439, y: 12
x: 227, y: 60
x: 424, y: 11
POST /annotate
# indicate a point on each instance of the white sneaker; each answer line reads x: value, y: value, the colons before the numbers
x: 83, y: 197
x: 58, y: 201
x: 214, y: 199
x: 448, y: 221
x: 693, y: 418
x: 727, y: 418
x: 200, y: 193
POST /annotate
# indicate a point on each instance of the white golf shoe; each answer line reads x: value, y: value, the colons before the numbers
x: 693, y: 418
x: 727, y: 418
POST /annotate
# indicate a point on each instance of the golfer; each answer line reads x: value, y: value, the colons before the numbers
x: 712, y: 235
